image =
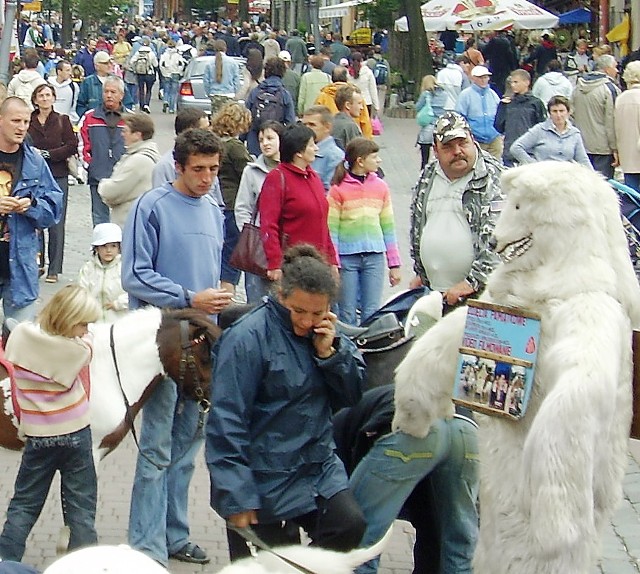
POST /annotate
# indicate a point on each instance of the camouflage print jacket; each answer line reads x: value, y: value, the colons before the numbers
x: 481, y: 201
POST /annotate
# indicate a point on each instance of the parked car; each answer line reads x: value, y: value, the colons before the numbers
x: 191, y: 92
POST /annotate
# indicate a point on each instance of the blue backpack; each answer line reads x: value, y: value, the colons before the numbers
x: 381, y: 72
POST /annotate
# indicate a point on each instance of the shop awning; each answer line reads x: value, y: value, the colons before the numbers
x: 577, y: 16
x: 340, y: 10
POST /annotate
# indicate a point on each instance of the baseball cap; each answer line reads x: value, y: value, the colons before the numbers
x: 449, y: 126
x: 104, y: 233
x: 480, y: 71
x: 284, y: 56
x: 101, y: 58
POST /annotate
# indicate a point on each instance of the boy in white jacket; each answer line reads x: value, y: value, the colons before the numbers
x: 101, y: 274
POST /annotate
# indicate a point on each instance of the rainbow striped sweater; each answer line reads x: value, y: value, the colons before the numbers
x: 50, y: 394
x: 361, y: 218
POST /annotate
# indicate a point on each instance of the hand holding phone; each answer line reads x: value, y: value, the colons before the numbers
x: 324, y: 334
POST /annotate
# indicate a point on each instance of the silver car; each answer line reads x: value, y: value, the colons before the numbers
x: 191, y: 92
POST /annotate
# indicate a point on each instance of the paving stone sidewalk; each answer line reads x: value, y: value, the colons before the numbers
x: 621, y: 543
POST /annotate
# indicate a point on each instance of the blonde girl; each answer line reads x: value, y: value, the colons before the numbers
x: 54, y: 419
x: 363, y: 231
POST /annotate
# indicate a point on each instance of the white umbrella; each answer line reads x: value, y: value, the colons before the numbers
x: 479, y: 15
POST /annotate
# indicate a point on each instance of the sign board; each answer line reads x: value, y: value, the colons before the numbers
x: 497, y: 359
x: 32, y: 6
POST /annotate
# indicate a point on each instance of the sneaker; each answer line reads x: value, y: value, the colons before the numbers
x: 51, y: 279
x: 192, y: 553
x: 165, y: 107
x: 146, y: 109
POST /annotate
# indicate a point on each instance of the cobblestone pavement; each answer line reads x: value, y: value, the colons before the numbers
x: 621, y: 543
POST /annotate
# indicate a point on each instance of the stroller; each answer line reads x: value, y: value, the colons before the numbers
x: 630, y: 211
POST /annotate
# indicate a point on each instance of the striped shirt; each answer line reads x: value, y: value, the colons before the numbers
x: 361, y: 218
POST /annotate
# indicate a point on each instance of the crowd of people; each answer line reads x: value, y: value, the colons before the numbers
x: 541, y: 106
x: 289, y: 147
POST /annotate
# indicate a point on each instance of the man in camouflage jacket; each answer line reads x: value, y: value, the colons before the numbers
x: 458, y: 257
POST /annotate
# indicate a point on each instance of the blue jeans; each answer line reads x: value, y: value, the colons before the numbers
x: 99, y: 209
x: 256, y: 288
x: 132, y: 90
x: 361, y: 285
x: 632, y: 180
x: 397, y: 462
x: 228, y: 273
x: 26, y: 313
x: 71, y: 455
x: 170, y: 87
x: 158, y: 519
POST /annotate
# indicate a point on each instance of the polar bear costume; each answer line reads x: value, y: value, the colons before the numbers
x: 550, y: 482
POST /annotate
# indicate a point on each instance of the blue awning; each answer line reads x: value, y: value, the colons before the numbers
x: 577, y: 16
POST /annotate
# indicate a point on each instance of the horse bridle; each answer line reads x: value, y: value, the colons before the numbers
x: 187, y: 363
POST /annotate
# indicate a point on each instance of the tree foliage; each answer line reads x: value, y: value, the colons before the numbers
x: 381, y: 13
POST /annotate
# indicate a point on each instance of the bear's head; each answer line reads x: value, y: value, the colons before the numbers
x: 560, y: 234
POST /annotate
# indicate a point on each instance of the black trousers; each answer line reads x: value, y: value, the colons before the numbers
x: 337, y: 524
x: 602, y: 163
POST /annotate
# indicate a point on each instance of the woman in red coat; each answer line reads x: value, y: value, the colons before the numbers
x: 292, y: 204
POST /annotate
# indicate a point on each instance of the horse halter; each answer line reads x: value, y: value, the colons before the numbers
x: 187, y: 360
x: 188, y: 365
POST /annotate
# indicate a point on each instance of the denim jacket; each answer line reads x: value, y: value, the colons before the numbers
x: 230, y: 83
x: 37, y: 183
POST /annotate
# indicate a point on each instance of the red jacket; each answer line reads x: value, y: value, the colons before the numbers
x: 292, y: 206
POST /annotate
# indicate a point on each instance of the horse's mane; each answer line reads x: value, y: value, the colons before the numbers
x: 195, y: 317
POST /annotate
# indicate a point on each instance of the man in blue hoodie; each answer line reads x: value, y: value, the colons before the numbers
x: 171, y: 256
x: 479, y: 104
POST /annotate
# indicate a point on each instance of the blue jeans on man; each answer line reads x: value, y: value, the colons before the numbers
x: 170, y: 437
x: 170, y: 92
x: 71, y: 455
x: 397, y: 462
x: 361, y: 285
x: 99, y: 209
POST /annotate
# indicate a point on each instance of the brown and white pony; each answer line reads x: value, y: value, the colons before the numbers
x: 147, y: 345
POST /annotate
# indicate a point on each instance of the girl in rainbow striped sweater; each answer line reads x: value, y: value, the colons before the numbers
x: 54, y: 418
x: 363, y: 231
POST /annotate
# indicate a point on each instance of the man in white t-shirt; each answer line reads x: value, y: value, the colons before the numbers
x: 66, y: 91
x: 455, y: 207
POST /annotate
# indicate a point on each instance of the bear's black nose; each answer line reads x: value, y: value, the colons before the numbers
x: 493, y: 243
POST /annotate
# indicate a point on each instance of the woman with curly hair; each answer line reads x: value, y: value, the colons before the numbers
x: 230, y: 122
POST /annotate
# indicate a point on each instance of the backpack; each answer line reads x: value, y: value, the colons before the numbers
x: 142, y: 65
x: 268, y: 105
x: 381, y: 72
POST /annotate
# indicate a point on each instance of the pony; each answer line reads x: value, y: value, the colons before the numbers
x: 130, y: 357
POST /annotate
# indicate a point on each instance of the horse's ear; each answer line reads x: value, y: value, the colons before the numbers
x: 229, y: 314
